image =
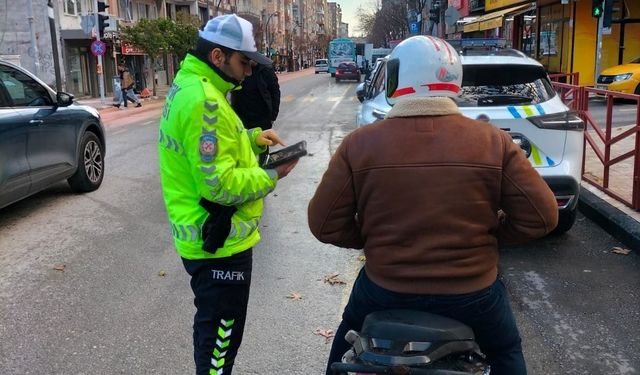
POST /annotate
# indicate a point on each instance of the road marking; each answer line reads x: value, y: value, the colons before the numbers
x: 288, y: 98
x: 120, y: 131
x: 309, y: 99
x: 333, y: 98
x: 335, y: 105
x: 627, y: 109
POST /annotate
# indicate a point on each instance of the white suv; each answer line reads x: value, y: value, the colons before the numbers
x: 322, y: 66
x: 512, y: 92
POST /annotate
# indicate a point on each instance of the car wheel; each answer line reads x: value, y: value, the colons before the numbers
x: 358, y: 80
x: 566, y: 219
x: 316, y: 72
x: 90, y: 172
x: 333, y: 74
x: 337, y: 79
x: 637, y: 92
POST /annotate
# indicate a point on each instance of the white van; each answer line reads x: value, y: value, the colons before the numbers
x: 322, y: 66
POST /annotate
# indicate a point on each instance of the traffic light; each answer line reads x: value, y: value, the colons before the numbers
x: 608, y: 13
x: 434, y: 12
x: 102, y: 18
x: 596, y: 8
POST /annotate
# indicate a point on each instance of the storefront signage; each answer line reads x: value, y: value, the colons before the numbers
x: 497, y: 4
x: 128, y: 49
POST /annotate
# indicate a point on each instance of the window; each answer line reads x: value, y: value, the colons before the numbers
x: 377, y: 85
x: 499, y: 85
x: 23, y: 90
x: 72, y: 7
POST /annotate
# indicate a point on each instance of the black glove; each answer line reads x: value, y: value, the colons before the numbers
x: 216, y: 228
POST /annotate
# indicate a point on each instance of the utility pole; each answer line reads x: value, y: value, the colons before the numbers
x: 99, y: 67
x: 34, y: 45
x: 54, y: 45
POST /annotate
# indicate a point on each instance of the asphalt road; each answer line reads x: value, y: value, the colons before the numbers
x: 123, y: 304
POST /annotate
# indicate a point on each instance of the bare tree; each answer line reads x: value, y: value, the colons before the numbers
x: 382, y: 24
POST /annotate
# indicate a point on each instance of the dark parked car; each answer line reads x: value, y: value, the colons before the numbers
x: 45, y: 138
x: 347, y: 70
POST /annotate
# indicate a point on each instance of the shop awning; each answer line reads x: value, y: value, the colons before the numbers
x: 493, y: 20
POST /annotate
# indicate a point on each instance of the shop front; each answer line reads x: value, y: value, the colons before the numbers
x: 81, y: 65
x: 568, y: 37
x: 506, y: 23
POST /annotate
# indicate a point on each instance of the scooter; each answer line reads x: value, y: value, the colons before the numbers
x: 408, y: 342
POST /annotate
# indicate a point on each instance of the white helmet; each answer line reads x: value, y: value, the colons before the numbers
x: 423, y: 66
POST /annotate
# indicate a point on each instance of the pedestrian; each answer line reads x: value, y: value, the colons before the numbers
x: 258, y: 102
x: 126, y: 86
x: 430, y: 195
x: 213, y: 187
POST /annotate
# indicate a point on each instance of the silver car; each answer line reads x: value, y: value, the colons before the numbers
x: 512, y: 92
x: 45, y: 138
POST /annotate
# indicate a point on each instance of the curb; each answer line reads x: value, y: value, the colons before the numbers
x: 618, y: 224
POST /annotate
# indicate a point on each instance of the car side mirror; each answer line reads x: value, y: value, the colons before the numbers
x: 360, y: 90
x: 64, y: 99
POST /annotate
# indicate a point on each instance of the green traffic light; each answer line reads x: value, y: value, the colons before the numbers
x: 597, y: 12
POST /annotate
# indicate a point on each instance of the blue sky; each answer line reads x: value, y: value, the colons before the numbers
x: 349, y: 8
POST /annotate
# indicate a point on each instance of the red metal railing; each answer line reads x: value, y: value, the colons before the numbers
x: 611, y: 150
x: 609, y: 141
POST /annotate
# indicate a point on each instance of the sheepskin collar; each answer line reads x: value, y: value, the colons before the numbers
x: 436, y: 106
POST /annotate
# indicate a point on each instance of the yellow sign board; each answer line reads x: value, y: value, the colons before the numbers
x: 496, y: 4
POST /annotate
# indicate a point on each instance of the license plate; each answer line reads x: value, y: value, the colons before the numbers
x: 602, y: 87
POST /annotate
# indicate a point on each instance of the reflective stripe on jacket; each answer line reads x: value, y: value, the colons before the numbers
x: 205, y: 152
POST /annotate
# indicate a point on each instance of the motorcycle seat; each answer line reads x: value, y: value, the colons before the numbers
x: 411, y: 325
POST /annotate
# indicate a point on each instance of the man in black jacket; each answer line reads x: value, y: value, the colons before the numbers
x: 258, y: 102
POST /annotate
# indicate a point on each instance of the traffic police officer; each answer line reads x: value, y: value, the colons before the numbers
x: 213, y: 187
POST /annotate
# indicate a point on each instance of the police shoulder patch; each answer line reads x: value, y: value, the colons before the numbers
x: 208, y: 147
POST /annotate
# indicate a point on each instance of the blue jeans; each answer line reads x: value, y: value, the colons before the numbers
x: 487, y: 312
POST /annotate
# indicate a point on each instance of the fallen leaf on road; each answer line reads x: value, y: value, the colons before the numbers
x: 59, y: 267
x: 332, y: 279
x: 296, y: 296
x: 362, y: 258
x: 162, y: 273
x: 326, y: 333
x: 621, y: 251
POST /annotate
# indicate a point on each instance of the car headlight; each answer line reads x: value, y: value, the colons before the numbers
x: 523, y: 142
x: 558, y: 121
x: 622, y: 77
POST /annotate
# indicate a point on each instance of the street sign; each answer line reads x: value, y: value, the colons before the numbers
x: 98, y: 48
x: 451, y: 16
x: 414, y: 28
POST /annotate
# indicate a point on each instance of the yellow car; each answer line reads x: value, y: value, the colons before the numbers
x: 623, y: 78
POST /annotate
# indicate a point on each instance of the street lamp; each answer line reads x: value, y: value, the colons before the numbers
x: 267, y: 39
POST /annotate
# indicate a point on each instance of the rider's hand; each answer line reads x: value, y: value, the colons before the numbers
x: 269, y: 138
x: 284, y: 169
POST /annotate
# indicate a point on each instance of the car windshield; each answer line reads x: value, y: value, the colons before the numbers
x: 499, y: 85
x: 636, y: 61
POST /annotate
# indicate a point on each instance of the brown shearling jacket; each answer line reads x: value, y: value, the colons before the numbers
x: 421, y: 192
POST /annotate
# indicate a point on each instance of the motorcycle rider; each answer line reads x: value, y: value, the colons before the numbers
x: 430, y: 195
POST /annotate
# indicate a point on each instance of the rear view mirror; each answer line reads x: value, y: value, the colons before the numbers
x: 63, y: 99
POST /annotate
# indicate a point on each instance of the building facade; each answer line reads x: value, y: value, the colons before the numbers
x: 292, y: 32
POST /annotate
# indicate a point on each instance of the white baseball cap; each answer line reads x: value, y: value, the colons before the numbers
x: 235, y: 33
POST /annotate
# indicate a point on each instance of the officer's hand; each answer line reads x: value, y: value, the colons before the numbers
x: 269, y: 138
x: 284, y: 169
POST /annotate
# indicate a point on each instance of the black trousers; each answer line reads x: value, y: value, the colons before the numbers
x: 221, y: 289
